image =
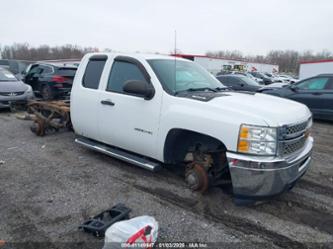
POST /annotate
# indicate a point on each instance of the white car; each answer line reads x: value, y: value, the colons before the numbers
x: 260, y: 81
x: 273, y: 86
x: 288, y: 78
x: 154, y: 111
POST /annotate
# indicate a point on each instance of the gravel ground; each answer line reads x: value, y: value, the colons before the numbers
x: 50, y: 185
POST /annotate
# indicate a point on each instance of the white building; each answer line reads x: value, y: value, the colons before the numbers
x: 312, y: 68
x: 216, y: 64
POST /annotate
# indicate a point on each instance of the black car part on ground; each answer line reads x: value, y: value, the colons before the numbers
x: 98, y: 224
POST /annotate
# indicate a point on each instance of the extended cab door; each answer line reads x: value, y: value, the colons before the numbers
x: 127, y: 121
x: 85, y: 96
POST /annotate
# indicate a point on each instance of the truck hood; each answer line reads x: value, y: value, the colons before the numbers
x: 13, y: 86
x: 274, y: 111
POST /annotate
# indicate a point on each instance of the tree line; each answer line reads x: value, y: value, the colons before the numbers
x: 23, y: 51
x: 288, y: 60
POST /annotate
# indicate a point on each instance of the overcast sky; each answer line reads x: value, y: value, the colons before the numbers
x: 253, y: 27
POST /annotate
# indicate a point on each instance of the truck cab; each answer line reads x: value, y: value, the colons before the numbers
x: 154, y: 111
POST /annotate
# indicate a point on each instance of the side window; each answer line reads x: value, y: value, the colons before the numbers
x: 225, y: 81
x: 93, y: 73
x: 232, y: 81
x: 120, y: 73
x: 237, y: 81
x: 313, y: 84
x: 34, y: 69
x: 46, y: 69
x: 329, y: 85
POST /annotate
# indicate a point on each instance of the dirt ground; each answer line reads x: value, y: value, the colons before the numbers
x: 49, y: 185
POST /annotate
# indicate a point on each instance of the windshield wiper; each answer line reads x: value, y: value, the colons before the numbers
x: 201, y: 89
x: 216, y: 89
x: 221, y: 88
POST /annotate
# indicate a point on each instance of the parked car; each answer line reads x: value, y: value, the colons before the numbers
x: 51, y: 81
x: 12, y: 90
x: 17, y: 67
x: 315, y: 92
x: 260, y: 81
x: 266, y: 80
x: 247, y: 74
x: 273, y: 86
x: 239, y: 82
x: 276, y: 78
x: 154, y: 111
x: 288, y: 78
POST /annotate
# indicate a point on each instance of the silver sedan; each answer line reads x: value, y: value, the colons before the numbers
x: 12, y: 90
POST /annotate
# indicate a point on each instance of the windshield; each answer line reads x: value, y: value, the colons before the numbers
x: 7, y: 76
x: 188, y: 77
x: 250, y: 82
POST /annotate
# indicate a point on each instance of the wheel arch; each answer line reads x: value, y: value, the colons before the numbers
x: 179, y: 140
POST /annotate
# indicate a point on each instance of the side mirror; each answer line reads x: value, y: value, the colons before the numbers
x: 139, y: 88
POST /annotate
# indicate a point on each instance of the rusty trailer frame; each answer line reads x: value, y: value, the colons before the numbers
x: 49, y: 116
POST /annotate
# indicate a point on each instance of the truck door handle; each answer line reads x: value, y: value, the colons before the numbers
x: 107, y: 102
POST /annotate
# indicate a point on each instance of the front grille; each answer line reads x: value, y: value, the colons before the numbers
x: 11, y: 94
x: 297, y: 128
x: 292, y: 146
x: 293, y: 138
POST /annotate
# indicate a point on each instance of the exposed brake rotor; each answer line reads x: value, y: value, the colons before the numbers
x: 196, y: 177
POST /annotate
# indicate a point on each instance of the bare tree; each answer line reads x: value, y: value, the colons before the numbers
x: 24, y: 51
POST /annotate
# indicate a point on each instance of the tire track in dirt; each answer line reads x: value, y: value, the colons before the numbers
x: 315, y: 187
x: 300, y: 214
x: 231, y: 221
x: 26, y: 231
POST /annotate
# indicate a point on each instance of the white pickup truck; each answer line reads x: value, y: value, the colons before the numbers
x: 154, y: 110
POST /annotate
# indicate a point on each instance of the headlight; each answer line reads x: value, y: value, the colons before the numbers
x: 257, y: 140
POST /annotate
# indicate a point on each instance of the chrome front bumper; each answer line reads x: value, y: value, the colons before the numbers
x: 254, y: 176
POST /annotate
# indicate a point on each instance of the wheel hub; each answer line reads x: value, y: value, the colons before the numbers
x: 196, y: 177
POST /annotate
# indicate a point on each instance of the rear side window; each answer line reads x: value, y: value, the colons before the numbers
x: 93, y: 72
x: 35, y: 69
x: 46, y: 69
x: 229, y: 81
x: 120, y: 73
